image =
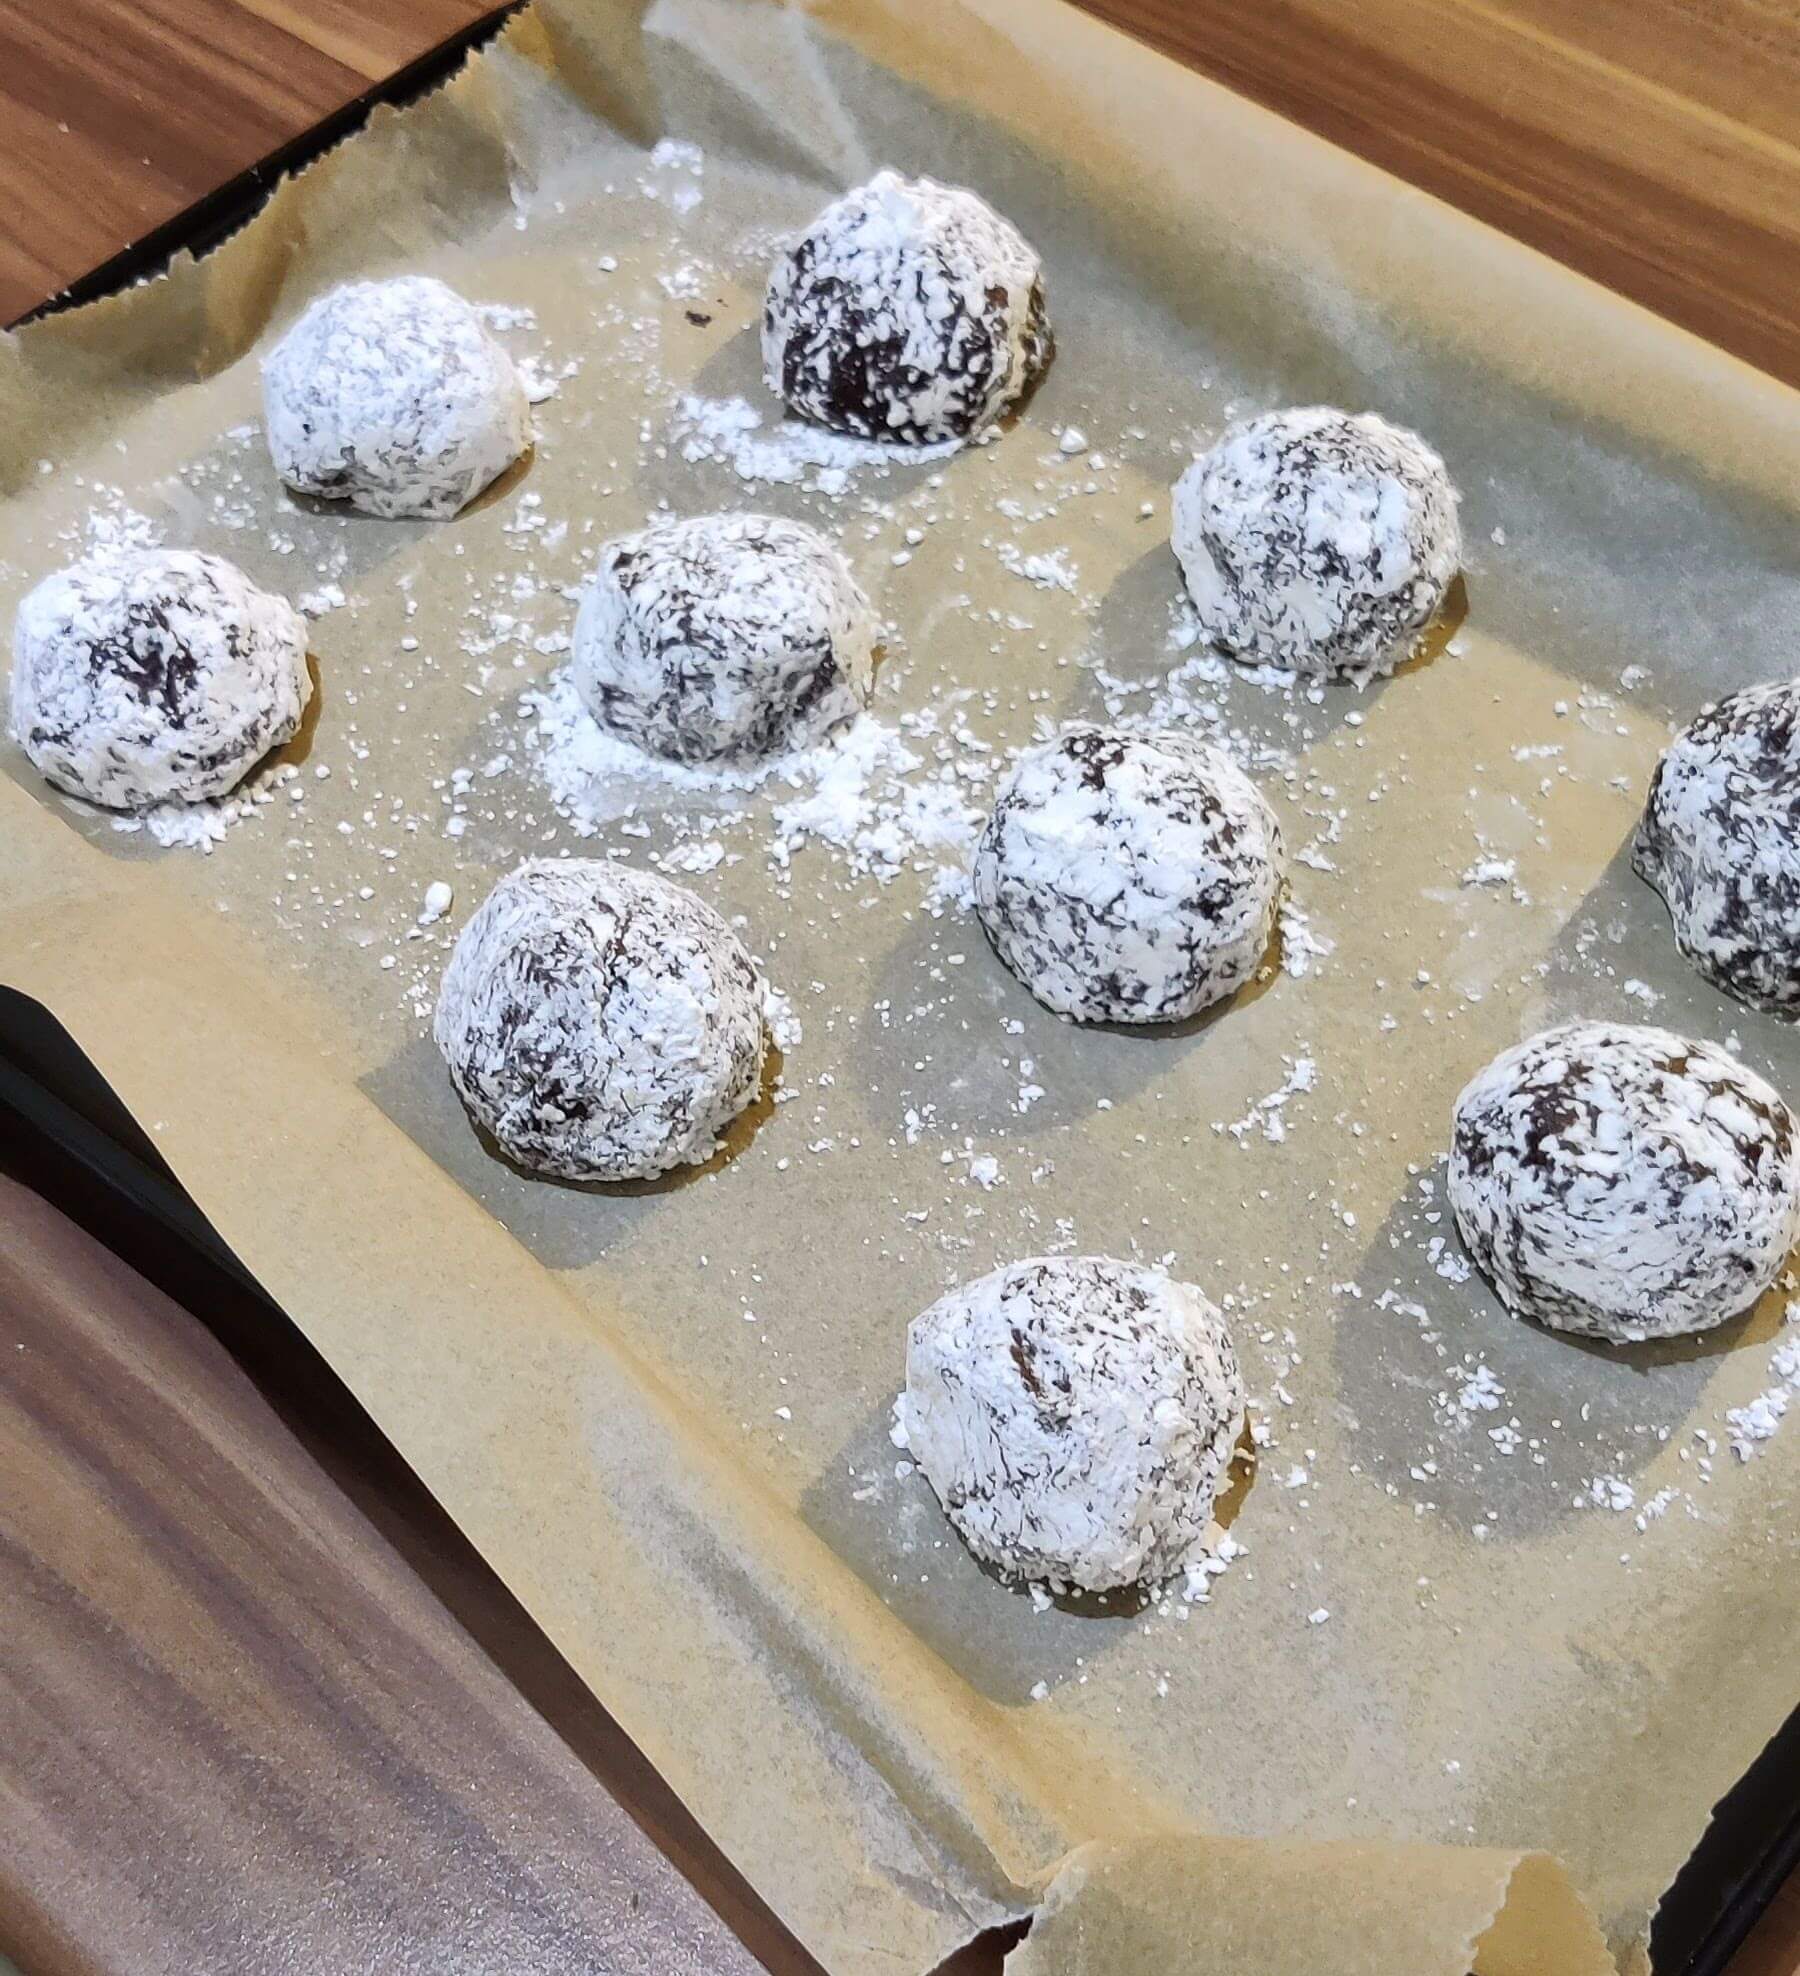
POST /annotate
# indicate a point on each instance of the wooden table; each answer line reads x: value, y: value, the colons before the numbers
x: 247, y: 1659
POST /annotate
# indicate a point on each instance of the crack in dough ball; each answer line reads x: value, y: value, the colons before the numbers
x: 1720, y: 840
x: 1317, y: 541
x: 392, y: 396
x: 1624, y: 1183
x: 601, y: 1023
x: 724, y: 636
x: 1129, y: 877
x: 155, y: 676
x: 908, y: 310
x: 1076, y: 1417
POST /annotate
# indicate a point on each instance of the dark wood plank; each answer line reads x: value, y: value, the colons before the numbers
x: 1653, y: 144
x: 117, y: 115
x: 237, y: 1730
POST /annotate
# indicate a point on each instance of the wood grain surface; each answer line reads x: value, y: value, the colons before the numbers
x: 117, y: 115
x: 1653, y: 144
x: 239, y: 1733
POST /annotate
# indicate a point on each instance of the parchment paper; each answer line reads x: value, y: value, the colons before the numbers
x: 661, y: 1413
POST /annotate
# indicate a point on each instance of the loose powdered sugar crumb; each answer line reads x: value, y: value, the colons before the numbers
x: 792, y: 453
x: 1759, y: 1419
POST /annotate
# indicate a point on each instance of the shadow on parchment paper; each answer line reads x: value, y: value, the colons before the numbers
x: 97, y: 826
x: 1396, y: 1367
x: 1572, y: 1410
x: 1132, y: 639
x: 565, y: 1224
x: 734, y: 370
x: 1621, y: 933
x: 898, y: 1540
x: 945, y: 1043
x: 332, y: 541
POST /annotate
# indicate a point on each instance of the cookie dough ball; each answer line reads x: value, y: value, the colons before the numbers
x: 1720, y: 840
x: 1624, y: 1183
x: 392, y: 396
x: 908, y: 310
x: 722, y: 637
x: 1317, y: 541
x: 601, y: 1023
x: 1129, y: 877
x: 1076, y: 1417
x: 155, y: 676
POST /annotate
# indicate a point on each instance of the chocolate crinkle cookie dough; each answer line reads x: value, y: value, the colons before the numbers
x: 1317, y: 541
x: 1720, y: 840
x: 1129, y: 877
x: 1076, y: 1417
x: 391, y: 395
x: 909, y: 311
x: 601, y: 1023
x: 155, y: 676
x: 1624, y: 1183
x: 724, y: 637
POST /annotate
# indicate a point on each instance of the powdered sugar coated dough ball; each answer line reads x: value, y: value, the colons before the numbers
x: 724, y: 636
x: 1316, y: 540
x: 601, y: 1023
x: 1076, y: 1417
x: 1720, y: 840
x: 908, y: 310
x: 155, y: 676
x: 1624, y: 1183
x: 392, y: 396
x: 1129, y: 877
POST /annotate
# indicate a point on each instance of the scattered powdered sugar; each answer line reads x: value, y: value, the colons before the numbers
x: 1757, y: 1421
x: 783, y: 1022
x: 199, y: 826
x: 868, y: 803
x: 593, y: 777
x: 1051, y: 570
x: 1303, y: 1075
x: 1301, y: 948
x: 675, y: 173
x: 1480, y: 1392
x: 539, y: 380
x: 506, y: 315
x: 792, y: 453
x: 862, y: 792
x: 905, y: 792
x: 1218, y: 1551
x: 116, y: 528
x: 1611, y: 1492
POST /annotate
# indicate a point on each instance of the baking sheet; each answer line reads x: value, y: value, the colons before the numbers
x: 703, y: 1509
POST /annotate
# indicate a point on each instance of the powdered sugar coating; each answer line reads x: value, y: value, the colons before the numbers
x: 154, y: 676
x: 1317, y: 540
x: 602, y: 1023
x: 908, y: 310
x: 1720, y: 840
x: 1076, y: 1417
x: 1129, y: 877
x: 1624, y: 1183
x: 724, y: 637
x: 392, y: 396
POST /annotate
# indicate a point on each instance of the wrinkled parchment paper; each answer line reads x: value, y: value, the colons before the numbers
x: 1463, y: 1642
